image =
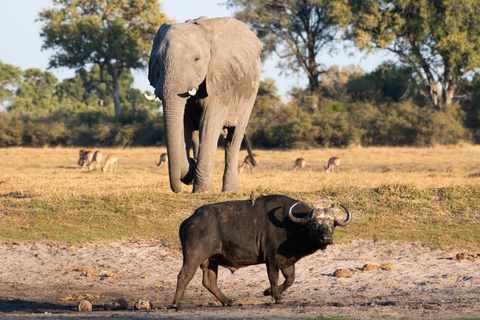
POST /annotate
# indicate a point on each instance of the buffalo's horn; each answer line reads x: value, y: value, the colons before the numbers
x: 346, y: 221
x: 150, y: 98
x: 192, y: 91
x: 305, y: 219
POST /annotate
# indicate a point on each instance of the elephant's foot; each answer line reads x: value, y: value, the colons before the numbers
x: 201, y: 188
x: 230, y: 188
x: 230, y: 182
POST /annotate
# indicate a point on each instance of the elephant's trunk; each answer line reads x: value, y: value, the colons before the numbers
x: 178, y: 163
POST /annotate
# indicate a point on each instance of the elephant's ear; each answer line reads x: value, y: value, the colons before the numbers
x: 235, y: 53
x: 153, y: 67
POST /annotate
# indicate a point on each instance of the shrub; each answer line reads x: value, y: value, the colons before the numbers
x: 11, y: 130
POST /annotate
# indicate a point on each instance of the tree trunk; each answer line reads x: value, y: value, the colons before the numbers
x: 116, y: 95
x: 313, y: 83
x: 112, y: 86
x: 313, y: 72
x: 434, y: 96
x: 449, y: 93
x: 432, y: 86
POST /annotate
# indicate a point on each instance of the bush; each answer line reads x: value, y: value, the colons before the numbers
x: 444, y: 127
x: 39, y: 134
x: 11, y: 130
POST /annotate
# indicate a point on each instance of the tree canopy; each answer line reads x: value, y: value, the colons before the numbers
x: 116, y: 35
x: 438, y: 39
x: 10, y: 77
x: 298, y: 31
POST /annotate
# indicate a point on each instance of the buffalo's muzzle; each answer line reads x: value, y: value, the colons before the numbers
x: 327, y: 240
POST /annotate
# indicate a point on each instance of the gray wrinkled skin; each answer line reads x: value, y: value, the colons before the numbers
x: 206, y: 72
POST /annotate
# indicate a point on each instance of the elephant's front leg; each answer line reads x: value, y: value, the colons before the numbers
x: 233, y: 141
x: 210, y: 129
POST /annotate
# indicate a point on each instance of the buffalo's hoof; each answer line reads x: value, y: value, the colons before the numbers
x: 267, y: 292
x: 177, y: 307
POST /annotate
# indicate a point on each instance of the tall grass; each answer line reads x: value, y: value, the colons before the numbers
x: 430, y: 195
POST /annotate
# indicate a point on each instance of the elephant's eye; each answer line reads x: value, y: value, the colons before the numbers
x: 196, y: 59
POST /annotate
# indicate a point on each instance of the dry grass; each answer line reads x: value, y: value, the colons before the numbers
x: 430, y: 195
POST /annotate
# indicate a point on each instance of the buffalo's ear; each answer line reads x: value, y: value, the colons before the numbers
x: 235, y: 51
x: 153, y: 66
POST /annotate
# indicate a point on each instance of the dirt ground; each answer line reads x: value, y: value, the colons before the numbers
x: 48, y: 280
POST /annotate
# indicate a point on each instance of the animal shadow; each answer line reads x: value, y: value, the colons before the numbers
x: 18, y: 195
x: 474, y: 175
x: 17, y: 305
x: 65, y: 167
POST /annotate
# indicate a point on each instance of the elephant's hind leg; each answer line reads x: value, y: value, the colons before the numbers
x: 232, y: 146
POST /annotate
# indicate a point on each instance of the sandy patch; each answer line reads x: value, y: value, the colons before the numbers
x: 392, y: 279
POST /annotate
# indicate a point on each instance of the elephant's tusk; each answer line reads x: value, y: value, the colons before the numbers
x: 150, y: 98
x: 192, y: 92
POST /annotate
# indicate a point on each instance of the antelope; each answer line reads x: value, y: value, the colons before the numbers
x: 111, y: 160
x: 97, y: 159
x: 299, y: 163
x: 333, y: 163
x: 86, y: 157
x: 247, y: 162
x: 163, y: 160
x: 80, y: 154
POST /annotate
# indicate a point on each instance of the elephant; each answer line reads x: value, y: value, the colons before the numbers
x: 206, y: 72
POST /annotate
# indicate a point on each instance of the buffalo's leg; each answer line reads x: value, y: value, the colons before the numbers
x: 184, y: 278
x: 289, y: 274
x: 272, y: 271
x: 210, y: 274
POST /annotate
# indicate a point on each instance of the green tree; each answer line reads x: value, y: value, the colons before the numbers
x: 298, y: 31
x: 116, y: 35
x: 388, y: 82
x: 10, y: 77
x: 335, y: 80
x: 267, y: 103
x: 438, y: 39
x: 36, y: 92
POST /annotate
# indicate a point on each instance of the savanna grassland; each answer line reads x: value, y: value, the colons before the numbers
x: 427, y: 195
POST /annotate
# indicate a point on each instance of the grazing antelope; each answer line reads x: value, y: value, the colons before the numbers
x: 111, y: 160
x: 85, y: 158
x: 299, y: 163
x: 80, y: 154
x: 247, y: 162
x: 97, y: 159
x: 333, y: 163
x: 163, y: 160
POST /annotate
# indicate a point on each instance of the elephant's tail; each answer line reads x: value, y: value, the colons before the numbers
x: 249, y: 150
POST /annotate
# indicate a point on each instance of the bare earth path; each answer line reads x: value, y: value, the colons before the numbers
x: 45, y: 280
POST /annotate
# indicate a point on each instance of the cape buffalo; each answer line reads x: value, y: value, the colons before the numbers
x: 276, y: 230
